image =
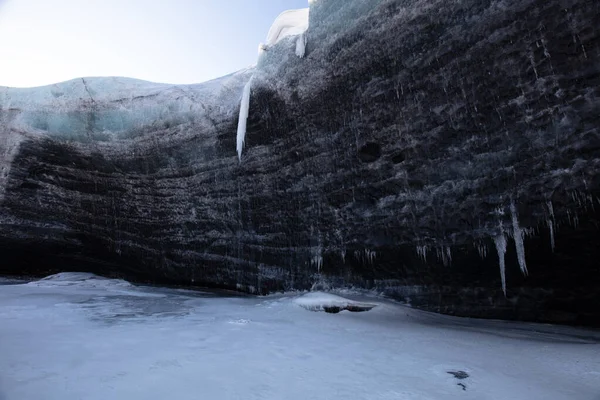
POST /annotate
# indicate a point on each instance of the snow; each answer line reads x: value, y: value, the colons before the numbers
x: 288, y: 23
x: 243, y: 119
x: 80, y: 341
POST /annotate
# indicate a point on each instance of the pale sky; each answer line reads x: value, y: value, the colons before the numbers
x: 171, y: 41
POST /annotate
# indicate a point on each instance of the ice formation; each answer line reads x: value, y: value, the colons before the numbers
x: 244, y: 108
x: 288, y: 23
x: 551, y: 224
x: 319, y: 301
x: 518, y: 236
x: 366, y: 256
x: 444, y: 253
x: 482, y: 250
x: 318, y: 262
x: 301, y: 46
x: 500, y: 242
x: 422, y: 253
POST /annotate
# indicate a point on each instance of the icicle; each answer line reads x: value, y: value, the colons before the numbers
x: 366, y: 256
x: 318, y: 261
x: 370, y: 256
x: 500, y: 242
x: 244, y: 109
x: 518, y: 236
x: 551, y: 224
x: 301, y: 45
x: 422, y: 253
x: 444, y: 254
x: 482, y: 249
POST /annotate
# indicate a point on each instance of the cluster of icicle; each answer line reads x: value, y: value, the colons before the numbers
x: 500, y: 241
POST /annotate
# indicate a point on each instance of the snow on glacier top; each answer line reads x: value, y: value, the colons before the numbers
x: 119, y: 104
x: 288, y: 23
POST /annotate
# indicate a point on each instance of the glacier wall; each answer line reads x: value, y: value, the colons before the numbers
x: 444, y: 153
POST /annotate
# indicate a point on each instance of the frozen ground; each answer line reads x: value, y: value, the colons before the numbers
x: 76, y: 336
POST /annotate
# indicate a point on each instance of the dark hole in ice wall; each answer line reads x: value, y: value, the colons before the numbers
x: 369, y: 152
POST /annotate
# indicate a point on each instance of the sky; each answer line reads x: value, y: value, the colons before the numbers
x: 175, y: 41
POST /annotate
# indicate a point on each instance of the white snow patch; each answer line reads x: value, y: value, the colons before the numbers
x: 320, y: 301
x: 288, y: 23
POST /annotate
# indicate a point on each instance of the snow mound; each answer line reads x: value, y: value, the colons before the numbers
x: 288, y: 23
x: 82, y: 279
x: 319, y: 301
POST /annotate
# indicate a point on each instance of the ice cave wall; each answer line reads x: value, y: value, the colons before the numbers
x: 416, y: 148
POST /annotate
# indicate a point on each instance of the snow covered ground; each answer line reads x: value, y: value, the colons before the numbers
x: 77, y: 336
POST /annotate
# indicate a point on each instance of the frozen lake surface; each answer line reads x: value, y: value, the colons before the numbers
x: 77, y: 336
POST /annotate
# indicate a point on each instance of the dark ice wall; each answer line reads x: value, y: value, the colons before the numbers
x: 394, y: 156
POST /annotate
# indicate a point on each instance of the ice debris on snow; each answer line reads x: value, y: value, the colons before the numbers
x: 319, y: 301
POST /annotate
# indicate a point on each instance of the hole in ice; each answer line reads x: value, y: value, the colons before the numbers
x: 369, y: 152
x: 398, y: 158
x: 459, y: 374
